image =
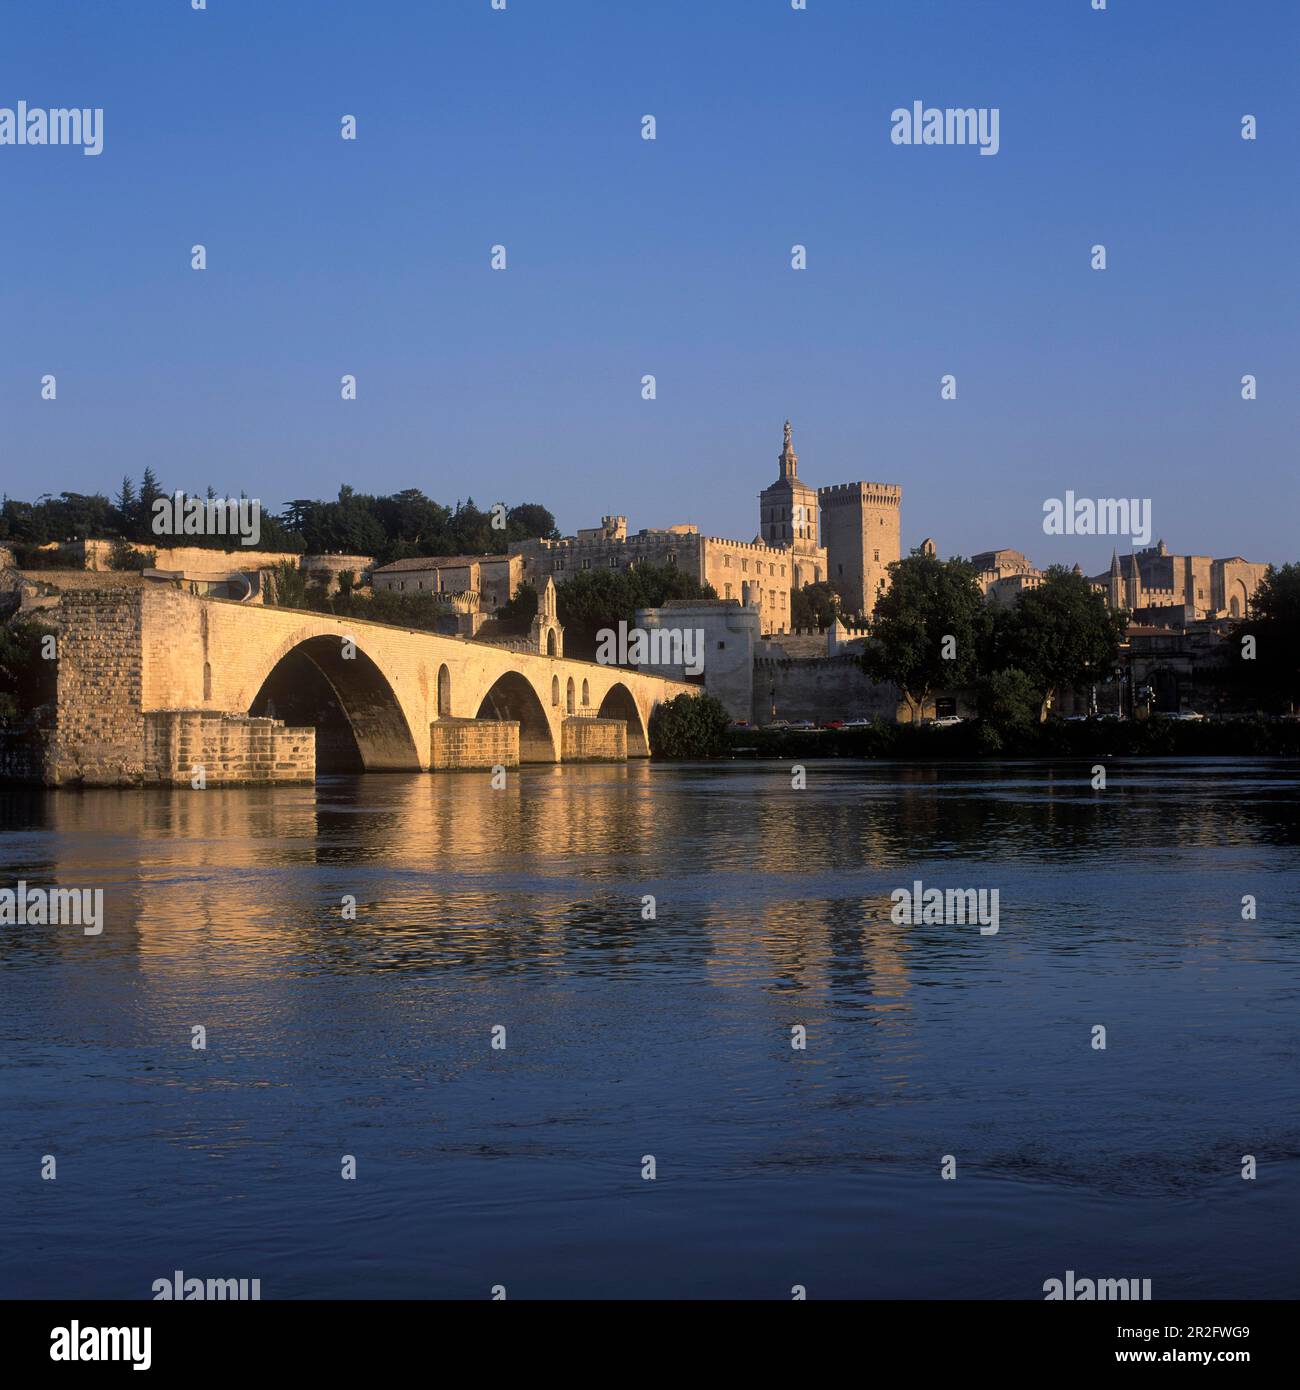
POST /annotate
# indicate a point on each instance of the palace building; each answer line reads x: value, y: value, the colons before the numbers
x: 846, y: 534
x: 1203, y: 587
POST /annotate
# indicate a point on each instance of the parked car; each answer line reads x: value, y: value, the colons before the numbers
x: 777, y: 724
x: 855, y: 724
x: 833, y: 724
x: 947, y: 721
x: 1188, y: 714
x: 802, y: 726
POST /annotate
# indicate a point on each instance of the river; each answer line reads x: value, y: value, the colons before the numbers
x: 368, y: 1032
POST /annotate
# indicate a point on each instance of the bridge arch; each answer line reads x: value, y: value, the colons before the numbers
x: 619, y: 703
x: 333, y: 685
x: 511, y: 696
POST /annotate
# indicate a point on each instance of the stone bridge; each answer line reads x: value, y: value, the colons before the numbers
x: 154, y: 682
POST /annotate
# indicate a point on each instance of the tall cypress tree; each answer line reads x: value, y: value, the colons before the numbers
x: 125, y: 504
x: 150, y: 492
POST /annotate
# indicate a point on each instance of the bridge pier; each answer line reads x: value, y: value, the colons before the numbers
x: 458, y: 744
x: 226, y: 749
x: 593, y: 741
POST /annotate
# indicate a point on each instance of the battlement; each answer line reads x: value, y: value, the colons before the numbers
x: 597, y: 542
x: 874, y: 494
x: 783, y: 552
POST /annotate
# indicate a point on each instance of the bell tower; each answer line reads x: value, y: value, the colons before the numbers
x: 787, y: 510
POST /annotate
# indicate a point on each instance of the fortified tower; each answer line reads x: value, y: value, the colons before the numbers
x: 861, y: 527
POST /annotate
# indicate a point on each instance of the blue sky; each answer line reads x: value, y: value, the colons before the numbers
x: 669, y: 257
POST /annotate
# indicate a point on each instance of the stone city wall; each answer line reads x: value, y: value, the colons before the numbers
x: 826, y: 688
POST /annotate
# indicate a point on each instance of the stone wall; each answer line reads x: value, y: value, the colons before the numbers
x: 326, y: 569
x: 61, y: 580
x: 730, y: 638
x: 795, y: 644
x: 232, y: 749
x: 473, y: 743
x: 594, y: 741
x: 829, y: 688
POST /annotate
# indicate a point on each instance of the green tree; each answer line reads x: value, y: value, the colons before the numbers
x: 124, y: 505
x: 521, y: 608
x: 287, y: 587
x: 1059, y: 635
x: 27, y: 679
x: 299, y: 515
x: 929, y: 628
x: 689, y: 726
x: 414, y: 524
x: 814, y: 605
x: 472, y: 532
x: 602, y: 598
x: 150, y: 492
x: 1009, y: 704
x: 1273, y: 673
x: 528, y: 521
x: 125, y: 556
x: 351, y: 525
x: 423, y: 611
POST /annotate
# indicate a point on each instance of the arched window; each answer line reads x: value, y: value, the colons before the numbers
x: 586, y: 690
x: 550, y: 647
x: 207, y: 678
x: 555, y: 690
x: 568, y: 697
x: 444, y: 691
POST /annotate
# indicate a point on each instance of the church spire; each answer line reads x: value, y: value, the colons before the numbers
x: 789, y: 460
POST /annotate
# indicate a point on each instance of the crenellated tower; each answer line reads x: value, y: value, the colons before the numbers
x: 861, y: 524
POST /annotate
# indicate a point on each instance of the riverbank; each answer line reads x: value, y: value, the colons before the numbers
x: 1207, y: 738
